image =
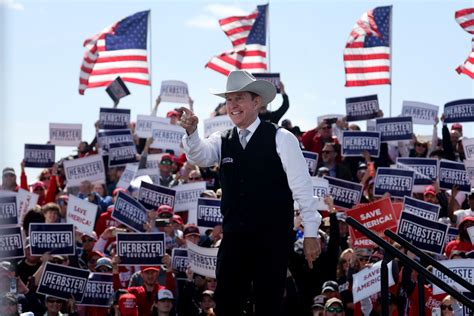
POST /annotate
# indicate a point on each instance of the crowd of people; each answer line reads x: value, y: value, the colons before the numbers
x: 326, y: 289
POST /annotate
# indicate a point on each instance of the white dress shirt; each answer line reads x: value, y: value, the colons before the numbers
x: 207, y: 152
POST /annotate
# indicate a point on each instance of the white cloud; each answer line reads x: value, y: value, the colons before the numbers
x: 12, y: 5
x: 213, y: 12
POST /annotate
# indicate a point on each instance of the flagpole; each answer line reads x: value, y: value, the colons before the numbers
x: 150, y: 63
x: 391, y: 58
x: 267, y: 27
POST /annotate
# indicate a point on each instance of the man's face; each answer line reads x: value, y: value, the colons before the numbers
x: 326, y: 131
x: 51, y: 216
x: 334, y: 309
x: 150, y: 277
x: 165, y: 306
x: 207, y: 303
x: 430, y: 198
x: 242, y: 109
x: 53, y: 304
x: 329, y: 154
x: 8, y: 180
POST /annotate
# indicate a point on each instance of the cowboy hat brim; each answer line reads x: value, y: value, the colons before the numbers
x: 263, y: 88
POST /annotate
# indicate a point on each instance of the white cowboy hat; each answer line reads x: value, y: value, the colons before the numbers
x: 241, y: 80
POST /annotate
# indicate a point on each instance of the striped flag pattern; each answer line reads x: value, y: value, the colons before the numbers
x: 367, y: 51
x: 248, y: 37
x: 465, y: 18
x: 119, y: 50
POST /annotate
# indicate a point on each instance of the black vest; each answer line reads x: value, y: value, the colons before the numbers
x: 255, y: 191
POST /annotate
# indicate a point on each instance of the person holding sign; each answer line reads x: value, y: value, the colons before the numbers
x: 257, y: 159
x: 275, y: 116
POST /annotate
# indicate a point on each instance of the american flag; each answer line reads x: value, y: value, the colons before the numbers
x: 248, y: 37
x: 367, y: 52
x: 119, y: 50
x: 465, y: 18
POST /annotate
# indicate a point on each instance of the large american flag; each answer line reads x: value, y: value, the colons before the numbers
x: 465, y: 18
x: 119, y: 50
x: 367, y: 51
x: 248, y: 37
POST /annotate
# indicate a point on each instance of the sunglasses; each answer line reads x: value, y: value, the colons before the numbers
x: 448, y: 307
x: 334, y: 309
x: 327, y: 151
x: 50, y: 301
x: 166, y: 162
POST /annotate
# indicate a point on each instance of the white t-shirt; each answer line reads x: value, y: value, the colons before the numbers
x: 461, y: 214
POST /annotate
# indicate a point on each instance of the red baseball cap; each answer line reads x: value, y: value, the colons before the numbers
x: 164, y: 211
x: 172, y: 113
x: 117, y: 190
x: 177, y: 219
x: 128, y: 305
x: 456, y: 126
x: 430, y: 190
x: 191, y: 230
x: 147, y: 268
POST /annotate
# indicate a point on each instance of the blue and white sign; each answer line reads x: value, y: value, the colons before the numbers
x: 111, y: 118
x: 362, y: 108
x: 217, y: 124
x: 174, y: 91
x: 58, y: 239
x: 209, y: 212
x: 99, y: 289
x: 187, y: 195
x: 459, y: 111
x: 462, y: 267
x: 39, y: 156
x: 354, y: 143
x: 65, y: 134
x: 422, y: 113
x: 320, y: 190
x: 106, y: 137
x: 202, y: 260
x: 11, y: 243
x: 140, y: 249
x: 452, y: 234
x: 153, y: 196
x: 421, y: 208
x: 454, y: 173
x: 8, y: 210
x: 62, y: 281
x: 312, y: 161
x: 397, y: 182
x: 129, y: 212
x: 424, y: 234
x: 180, y: 262
x: 346, y: 194
x: 146, y: 123
x: 395, y: 128
x: 167, y: 137
x: 121, y: 154
x: 89, y: 168
x: 468, y: 145
x: 426, y: 169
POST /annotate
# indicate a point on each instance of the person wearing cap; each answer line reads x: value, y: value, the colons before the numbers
x: 463, y: 241
x: 9, y: 180
x: 103, y: 265
x: 128, y: 305
x: 164, y: 303
x: 191, y: 234
x: 207, y: 303
x: 166, y: 167
x: 262, y: 170
x: 317, y: 308
x: 8, y: 304
x: 46, y: 193
x: 330, y: 289
x: 334, y: 307
x: 164, y: 213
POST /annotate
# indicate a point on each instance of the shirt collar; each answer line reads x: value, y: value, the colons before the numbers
x: 252, y: 127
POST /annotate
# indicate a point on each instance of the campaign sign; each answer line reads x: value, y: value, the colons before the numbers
x: 362, y: 108
x: 320, y: 190
x: 397, y: 182
x: 468, y: 145
x: 424, y: 234
x: 152, y: 174
x: 146, y: 123
x: 88, y: 168
x: 81, y: 214
x: 63, y: 281
x: 217, y: 124
x: 152, y: 196
x: 114, y: 118
x: 371, y: 125
x: 65, y: 134
x: 354, y: 143
x: 346, y: 194
x: 421, y: 208
x: 273, y: 78
x: 209, y: 212
x: 129, y: 212
x: 167, y: 137
x: 39, y: 156
x: 99, y: 289
x: 377, y: 216
x: 153, y: 161
x: 59, y: 239
x: 426, y: 169
x: 469, y: 164
x: 312, y: 161
x: 395, y: 128
x: 453, y: 173
x: 8, y: 210
x: 106, y: 137
x: 459, y: 111
x: 127, y: 176
x: 140, y: 249
x: 187, y: 195
x: 470, y: 231
x: 462, y: 267
x: 466, y: 310
x: 179, y: 261
x: 25, y: 201
x: 203, y: 261
x: 121, y: 154
x: 174, y: 91
x: 367, y: 282
x: 11, y: 243
x: 329, y: 116
x: 117, y: 90
x: 422, y: 113
x: 452, y: 234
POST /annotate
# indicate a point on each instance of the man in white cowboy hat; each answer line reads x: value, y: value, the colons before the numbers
x: 262, y: 170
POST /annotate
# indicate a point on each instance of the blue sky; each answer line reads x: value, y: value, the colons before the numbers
x: 42, y: 52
